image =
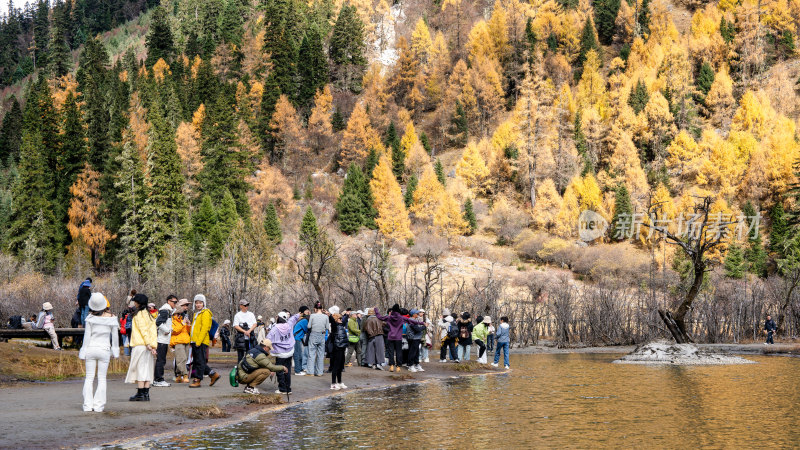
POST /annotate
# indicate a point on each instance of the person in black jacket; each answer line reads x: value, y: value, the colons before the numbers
x: 464, y: 336
x: 84, y: 292
x: 339, y: 338
x: 770, y: 328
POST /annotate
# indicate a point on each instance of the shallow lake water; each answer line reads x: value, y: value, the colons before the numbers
x: 570, y: 400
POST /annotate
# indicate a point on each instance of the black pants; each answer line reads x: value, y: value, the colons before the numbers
x: 481, y: 347
x: 448, y: 344
x: 161, y: 361
x: 413, y: 352
x: 395, y: 349
x: 285, y: 378
x: 240, y: 352
x: 337, y: 364
x: 769, y: 337
x: 226, y: 344
x: 200, y: 362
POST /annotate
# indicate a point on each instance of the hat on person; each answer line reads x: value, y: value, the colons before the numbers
x: 446, y: 312
x: 465, y: 316
x: 413, y: 311
x: 487, y: 319
x: 200, y: 298
x: 244, y: 303
x: 283, y: 315
x: 333, y: 309
x: 259, y: 317
x: 448, y: 319
x: 421, y: 310
x: 360, y: 312
x: 265, y: 343
x: 97, y: 302
x: 182, y: 302
x: 140, y: 299
x: 47, y: 306
x: 151, y: 305
x: 370, y: 311
x: 226, y: 322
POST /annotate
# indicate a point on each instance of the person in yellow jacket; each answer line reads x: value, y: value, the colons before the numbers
x: 201, y: 325
x: 181, y: 338
x: 144, y: 342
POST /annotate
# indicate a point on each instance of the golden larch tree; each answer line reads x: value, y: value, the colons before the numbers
x: 320, y: 130
x: 472, y: 167
x: 448, y: 218
x: 289, y: 137
x: 392, y: 218
x: 85, y: 224
x: 358, y: 138
x: 427, y: 195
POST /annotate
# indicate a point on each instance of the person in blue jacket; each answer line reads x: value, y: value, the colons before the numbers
x: 300, y: 343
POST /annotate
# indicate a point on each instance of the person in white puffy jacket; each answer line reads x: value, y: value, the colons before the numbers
x: 164, y: 328
x: 100, y: 342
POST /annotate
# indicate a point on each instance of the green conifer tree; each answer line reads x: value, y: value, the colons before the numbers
x: 227, y: 217
x: 11, y: 132
x: 348, y: 212
x: 72, y: 157
x: 130, y: 197
x: 312, y: 65
x: 755, y: 255
x: 643, y: 19
x: 588, y: 42
x: 272, y: 225
x: 469, y: 217
x: 458, y: 132
x: 411, y: 186
x: 530, y: 40
x: 426, y: 142
x: 779, y: 229
x: 705, y: 78
x: 206, y: 236
x: 639, y: 97
x: 605, y: 14
x: 582, y: 147
x: 735, y: 263
x: 439, y: 170
x: 59, y: 58
x: 622, y: 208
x: 231, y: 23
x: 159, y: 40
x: 309, y: 231
x: 370, y: 163
x: 398, y: 163
x: 346, y: 50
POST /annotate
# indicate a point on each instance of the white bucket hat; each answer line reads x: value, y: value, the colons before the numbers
x: 47, y: 306
x: 97, y: 302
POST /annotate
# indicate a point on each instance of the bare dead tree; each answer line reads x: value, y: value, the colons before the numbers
x: 315, y: 257
x: 696, y: 245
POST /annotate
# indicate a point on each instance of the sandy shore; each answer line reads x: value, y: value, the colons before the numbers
x: 49, y: 414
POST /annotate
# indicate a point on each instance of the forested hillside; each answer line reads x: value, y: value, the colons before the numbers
x: 497, y: 120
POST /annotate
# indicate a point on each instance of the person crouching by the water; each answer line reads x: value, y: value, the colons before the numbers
x: 100, y: 343
x: 201, y: 326
x: 373, y: 327
x: 339, y: 332
x: 503, y: 340
x: 144, y: 341
x: 282, y: 339
x: 181, y: 338
x: 46, y: 322
x: 256, y: 366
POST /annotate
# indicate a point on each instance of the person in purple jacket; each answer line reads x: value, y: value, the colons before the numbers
x: 395, y: 320
x: 282, y: 339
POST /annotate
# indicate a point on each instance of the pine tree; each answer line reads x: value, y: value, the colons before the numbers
x: 779, y: 229
x: 458, y: 132
x: 312, y: 65
x: 639, y: 97
x: 348, y: 212
x: 11, y: 132
x: 582, y: 147
x: 309, y: 231
x: 530, y: 40
x: 439, y: 170
x: 622, y: 208
x: 588, y: 43
x: 272, y: 225
x: 159, y: 39
x: 32, y: 207
x: 757, y: 257
x: 392, y: 140
x: 411, y: 186
x: 227, y: 217
x: 59, y: 58
x: 354, y: 207
x: 705, y: 78
x: 41, y: 34
x: 93, y: 81
x: 281, y: 44
x: 605, y: 14
x: 643, y: 19
x: 205, y: 230
x: 469, y: 217
x: 734, y: 262
x: 398, y: 163
x: 726, y: 30
x: 231, y: 23
x: 337, y: 121
x: 426, y: 143
x: 346, y: 50
x: 72, y: 158
x: 130, y: 195
x: 41, y: 117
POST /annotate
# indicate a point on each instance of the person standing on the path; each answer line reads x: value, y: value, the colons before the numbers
x: 490, y: 338
x: 201, y: 326
x: 164, y: 324
x: 256, y: 366
x: 340, y: 342
x: 225, y: 335
x: 244, y: 322
x: 144, y: 341
x: 427, y: 342
x: 373, y: 328
x: 770, y: 328
x: 181, y: 338
x: 362, y: 338
x: 503, y: 341
x: 444, y: 334
x: 46, y: 321
x: 480, y: 333
x: 395, y: 320
x: 84, y: 293
x: 300, y: 333
x: 100, y: 343
x: 464, y: 336
x: 124, y: 324
x: 415, y: 334
x: 318, y: 325
x: 353, y: 338
x: 282, y: 337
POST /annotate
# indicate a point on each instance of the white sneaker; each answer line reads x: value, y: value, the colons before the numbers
x: 335, y: 387
x: 160, y: 384
x: 494, y: 364
x: 442, y: 361
x: 507, y: 367
x: 301, y: 374
x: 420, y: 369
x: 342, y: 386
x: 412, y: 369
x: 427, y: 360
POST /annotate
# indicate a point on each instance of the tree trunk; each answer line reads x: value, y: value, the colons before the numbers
x: 677, y: 323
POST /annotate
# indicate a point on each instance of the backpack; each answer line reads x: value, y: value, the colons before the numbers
x: 15, y: 322
x: 76, y: 318
x: 212, y: 333
x: 463, y: 332
x: 123, y: 325
x: 452, y: 332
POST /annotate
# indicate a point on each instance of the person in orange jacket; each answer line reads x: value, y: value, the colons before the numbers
x: 181, y: 339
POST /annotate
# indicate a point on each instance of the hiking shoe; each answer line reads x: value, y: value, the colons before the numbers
x: 195, y: 383
x: 391, y: 369
x: 138, y: 397
x: 160, y: 384
x: 214, y: 377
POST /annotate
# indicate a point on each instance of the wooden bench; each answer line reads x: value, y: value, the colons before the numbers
x: 6, y: 333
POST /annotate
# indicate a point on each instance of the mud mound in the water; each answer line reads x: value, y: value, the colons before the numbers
x: 663, y: 352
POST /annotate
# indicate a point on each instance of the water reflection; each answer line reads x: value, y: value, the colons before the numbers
x: 546, y: 401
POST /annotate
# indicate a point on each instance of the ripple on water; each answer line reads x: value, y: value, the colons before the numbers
x: 579, y: 400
